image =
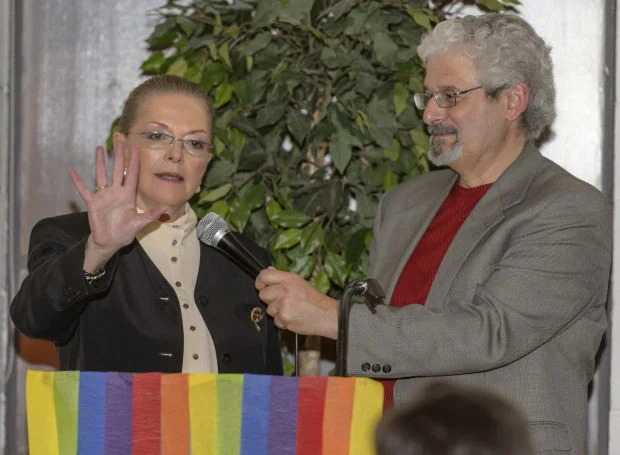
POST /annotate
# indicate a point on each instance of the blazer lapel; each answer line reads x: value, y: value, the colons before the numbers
x: 507, y: 191
x: 412, y: 223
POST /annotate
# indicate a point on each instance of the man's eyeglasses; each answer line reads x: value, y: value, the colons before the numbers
x: 444, y: 98
x: 154, y: 140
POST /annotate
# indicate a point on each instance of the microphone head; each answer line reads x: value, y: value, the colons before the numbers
x: 211, y: 228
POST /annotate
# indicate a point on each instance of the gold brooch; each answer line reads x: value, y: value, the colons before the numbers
x: 256, y: 315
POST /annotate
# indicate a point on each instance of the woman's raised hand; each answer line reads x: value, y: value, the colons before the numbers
x: 111, y: 207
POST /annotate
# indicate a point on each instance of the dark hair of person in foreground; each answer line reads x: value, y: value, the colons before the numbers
x: 449, y: 420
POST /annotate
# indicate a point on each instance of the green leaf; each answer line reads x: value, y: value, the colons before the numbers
x: 321, y: 282
x: 420, y: 138
x: 270, y: 114
x: 242, y: 91
x: 389, y: 180
x: 178, y: 68
x: 340, y: 148
x: 385, y: 48
x: 393, y: 153
x: 401, y: 98
x: 298, y: 125
x: 237, y: 138
x: 303, y: 266
x: 340, y: 151
x: 336, y: 269
x: 280, y: 261
x: 215, y: 194
x: 220, y: 172
x: 223, y: 94
x: 154, y: 63
x: 214, y: 75
x: 493, y: 5
x: 163, y: 35
x: 288, y: 238
x: 258, y: 43
x: 239, y: 215
x: 311, y: 238
x: 186, y: 25
x: 289, y: 218
x: 272, y: 209
x: 254, y: 196
x: 355, y: 246
x: 193, y: 74
x: 420, y: 16
x: 219, y: 207
x: 223, y: 52
x: 329, y: 57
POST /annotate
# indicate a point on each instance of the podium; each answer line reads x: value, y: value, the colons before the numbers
x: 92, y: 413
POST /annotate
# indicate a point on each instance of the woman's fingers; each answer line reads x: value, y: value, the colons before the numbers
x: 131, y: 177
x: 119, y: 165
x: 101, y: 176
x: 85, y: 193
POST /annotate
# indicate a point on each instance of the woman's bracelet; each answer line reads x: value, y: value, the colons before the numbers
x: 92, y: 277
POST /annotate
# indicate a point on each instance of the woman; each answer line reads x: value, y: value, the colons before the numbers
x: 127, y: 286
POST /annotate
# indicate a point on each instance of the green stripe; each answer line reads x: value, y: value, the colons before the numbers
x: 66, y: 401
x: 228, y: 425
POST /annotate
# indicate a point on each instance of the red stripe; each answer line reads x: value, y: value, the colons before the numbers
x: 311, y: 403
x: 146, y: 422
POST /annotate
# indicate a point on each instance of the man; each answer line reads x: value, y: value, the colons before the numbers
x: 496, y: 269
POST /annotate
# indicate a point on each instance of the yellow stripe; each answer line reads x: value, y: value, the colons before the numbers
x: 202, y: 406
x: 42, y: 433
x: 367, y: 410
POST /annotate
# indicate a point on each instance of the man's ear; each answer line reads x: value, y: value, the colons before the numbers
x: 517, y: 98
x: 119, y: 142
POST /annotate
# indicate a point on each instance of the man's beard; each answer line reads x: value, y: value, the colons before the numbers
x: 440, y: 154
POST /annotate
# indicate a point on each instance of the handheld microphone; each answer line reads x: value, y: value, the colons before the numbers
x: 213, y: 231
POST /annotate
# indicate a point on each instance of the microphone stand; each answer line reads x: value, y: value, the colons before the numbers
x: 369, y: 288
x: 296, y: 355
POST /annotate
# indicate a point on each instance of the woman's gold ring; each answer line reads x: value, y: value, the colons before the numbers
x: 102, y: 187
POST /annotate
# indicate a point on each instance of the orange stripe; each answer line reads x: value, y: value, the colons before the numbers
x: 174, y: 414
x: 338, y: 414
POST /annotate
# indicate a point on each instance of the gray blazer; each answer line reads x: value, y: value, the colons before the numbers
x: 517, y: 305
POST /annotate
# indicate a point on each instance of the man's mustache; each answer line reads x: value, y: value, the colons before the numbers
x: 435, y: 130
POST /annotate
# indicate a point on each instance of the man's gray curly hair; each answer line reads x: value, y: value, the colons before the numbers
x: 505, y: 50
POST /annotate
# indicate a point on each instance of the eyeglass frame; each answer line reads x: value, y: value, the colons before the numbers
x: 173, y: 139
x: 422, y: 99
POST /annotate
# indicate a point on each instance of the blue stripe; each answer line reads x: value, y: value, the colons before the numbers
x: 91, y: 413
x: 254, y: 414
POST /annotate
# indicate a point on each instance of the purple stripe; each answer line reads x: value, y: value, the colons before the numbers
x: 118, y: 414
x: 283, y: 416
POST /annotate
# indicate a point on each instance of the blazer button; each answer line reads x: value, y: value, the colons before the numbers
x: 365, y: 366
x: 202, y: 300
x: 376, y: 368
x: 387, y: 368
x: 226, y: 357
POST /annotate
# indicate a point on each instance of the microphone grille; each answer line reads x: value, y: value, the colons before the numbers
x: 211, y: 228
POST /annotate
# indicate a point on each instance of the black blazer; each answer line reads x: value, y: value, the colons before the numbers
x: 131, y: 320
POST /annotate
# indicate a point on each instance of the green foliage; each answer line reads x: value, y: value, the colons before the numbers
x: 314, y: 119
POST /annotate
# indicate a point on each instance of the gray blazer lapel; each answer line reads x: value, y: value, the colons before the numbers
x: 507, y: 191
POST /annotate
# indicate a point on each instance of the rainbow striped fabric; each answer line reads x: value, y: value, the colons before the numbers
x: 89, y: 413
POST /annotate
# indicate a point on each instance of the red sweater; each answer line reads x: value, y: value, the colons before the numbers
x: 417, y: 277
